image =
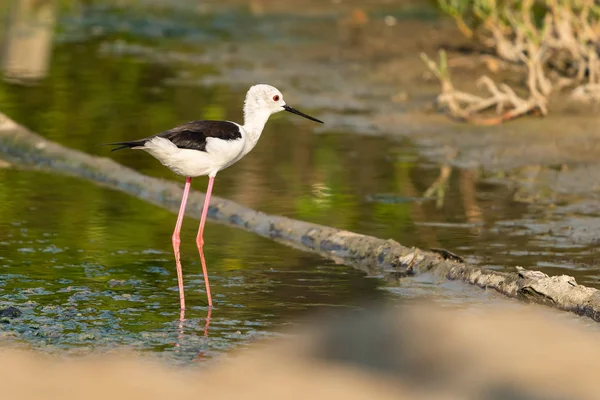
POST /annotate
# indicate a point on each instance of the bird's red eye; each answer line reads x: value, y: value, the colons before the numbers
x: 276, y: 97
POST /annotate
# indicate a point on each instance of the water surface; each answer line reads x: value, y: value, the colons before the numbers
x: 92, y: 268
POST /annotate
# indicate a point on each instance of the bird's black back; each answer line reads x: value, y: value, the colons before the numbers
x: 191, y: 135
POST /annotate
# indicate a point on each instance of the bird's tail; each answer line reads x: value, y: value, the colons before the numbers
x: 125, y: 145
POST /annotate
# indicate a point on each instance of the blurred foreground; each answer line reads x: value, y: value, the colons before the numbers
x: 416, y: 352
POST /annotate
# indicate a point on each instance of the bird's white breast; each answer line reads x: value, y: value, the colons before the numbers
x: 219, y: 155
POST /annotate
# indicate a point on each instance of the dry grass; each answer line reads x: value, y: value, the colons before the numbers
x: 554, y: 43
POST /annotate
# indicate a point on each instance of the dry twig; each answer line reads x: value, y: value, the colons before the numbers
x: 562, y: 51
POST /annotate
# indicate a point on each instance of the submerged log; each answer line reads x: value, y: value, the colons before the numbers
x: 374, y: 256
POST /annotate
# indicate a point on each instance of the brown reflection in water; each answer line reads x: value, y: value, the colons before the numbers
x: 473, y: 213
x: 439, y: 186
x: 426, y: 234
x: 27, y: 45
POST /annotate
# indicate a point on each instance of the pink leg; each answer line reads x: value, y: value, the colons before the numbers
x: 177, y: 240
x: 200, y: 237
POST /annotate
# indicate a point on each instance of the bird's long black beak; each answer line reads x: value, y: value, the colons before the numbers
x: 294, y: 111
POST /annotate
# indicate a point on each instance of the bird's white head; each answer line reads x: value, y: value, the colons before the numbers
x: 266, y: 100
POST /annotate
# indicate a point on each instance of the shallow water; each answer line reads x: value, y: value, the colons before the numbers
x: 92, y: 268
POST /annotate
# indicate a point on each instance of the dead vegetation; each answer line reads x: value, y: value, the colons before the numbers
x: 553, y: 43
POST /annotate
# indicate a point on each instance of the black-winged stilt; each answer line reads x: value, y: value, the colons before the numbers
x: 200, y: 148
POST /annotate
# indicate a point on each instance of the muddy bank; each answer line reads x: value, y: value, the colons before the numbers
x: 415, y: 352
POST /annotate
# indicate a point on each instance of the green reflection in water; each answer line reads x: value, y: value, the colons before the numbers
x: 93, y: 267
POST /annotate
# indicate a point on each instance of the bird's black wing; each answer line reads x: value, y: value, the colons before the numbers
x: 191, y: 135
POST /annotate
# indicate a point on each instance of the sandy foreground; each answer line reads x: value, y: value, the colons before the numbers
x: 417, y: 352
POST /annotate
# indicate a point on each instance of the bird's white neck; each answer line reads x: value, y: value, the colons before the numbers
x: 254, y: 122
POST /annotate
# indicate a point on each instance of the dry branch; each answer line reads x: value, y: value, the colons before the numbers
x: 378, y: 257
x: 562, y: 51
x: 467, y: 107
